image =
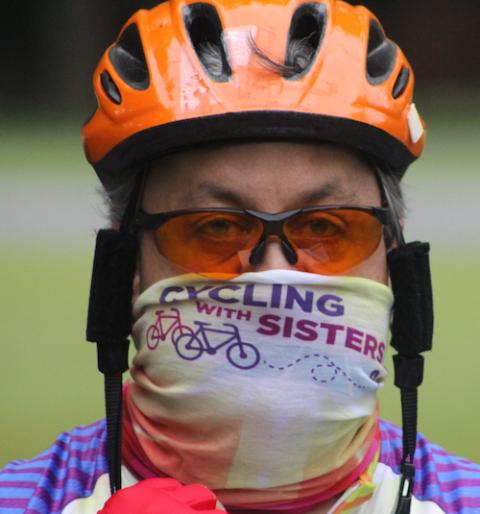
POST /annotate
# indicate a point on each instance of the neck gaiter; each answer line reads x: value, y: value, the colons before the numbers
x: 262, y: 388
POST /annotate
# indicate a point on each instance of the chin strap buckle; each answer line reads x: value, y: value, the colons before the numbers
x: 406, y: 488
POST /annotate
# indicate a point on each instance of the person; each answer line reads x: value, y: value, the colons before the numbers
x: 251, y: 154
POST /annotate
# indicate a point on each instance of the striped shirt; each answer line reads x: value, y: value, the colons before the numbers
x: 71, y: 478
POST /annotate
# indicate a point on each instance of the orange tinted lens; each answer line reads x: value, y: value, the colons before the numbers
x: 333, y: 241
x: 208, y: 242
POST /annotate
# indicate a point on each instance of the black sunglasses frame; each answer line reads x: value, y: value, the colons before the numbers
x: 272, y: 223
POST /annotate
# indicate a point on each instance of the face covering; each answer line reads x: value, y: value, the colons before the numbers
x: 262, y: 388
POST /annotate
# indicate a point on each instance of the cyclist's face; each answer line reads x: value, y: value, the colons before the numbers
x: 268, y: 177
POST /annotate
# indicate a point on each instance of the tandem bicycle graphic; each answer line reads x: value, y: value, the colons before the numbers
x: 191, y: 344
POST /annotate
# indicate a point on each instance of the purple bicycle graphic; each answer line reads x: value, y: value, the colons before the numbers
x: 158, y: 332
x: 192, y: 345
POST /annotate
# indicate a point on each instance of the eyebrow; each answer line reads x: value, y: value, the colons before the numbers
x: 332, y: 189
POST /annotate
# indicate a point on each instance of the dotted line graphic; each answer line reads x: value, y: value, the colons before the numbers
x: 336, y: 370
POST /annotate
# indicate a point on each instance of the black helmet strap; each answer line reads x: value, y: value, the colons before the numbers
x: 109, y: 322
x: 109, y: 325
x: 412, y: 332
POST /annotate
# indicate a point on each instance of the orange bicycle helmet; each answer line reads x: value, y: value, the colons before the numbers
x: 156, y: 93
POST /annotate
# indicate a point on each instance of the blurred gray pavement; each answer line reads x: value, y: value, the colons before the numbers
x: 443, y: 211
x: 52, y: 213
x: 67, y: 212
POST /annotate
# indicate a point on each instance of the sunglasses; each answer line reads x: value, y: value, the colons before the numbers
x: 324, y: 240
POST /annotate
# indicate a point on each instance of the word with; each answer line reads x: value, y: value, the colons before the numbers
x: 226, y: 312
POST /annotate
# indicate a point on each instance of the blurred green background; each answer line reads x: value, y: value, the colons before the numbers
x: 49, y: 210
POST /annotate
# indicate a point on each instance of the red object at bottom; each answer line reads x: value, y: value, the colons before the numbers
x: 162, y: 496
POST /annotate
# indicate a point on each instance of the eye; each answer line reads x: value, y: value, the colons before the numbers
x: 219, y: 227
x: 222, y: 226
x: 323, y: 227
x: 318, y: 225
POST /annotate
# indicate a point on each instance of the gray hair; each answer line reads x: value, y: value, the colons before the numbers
x: 116, y: 199
x: 393, y: 199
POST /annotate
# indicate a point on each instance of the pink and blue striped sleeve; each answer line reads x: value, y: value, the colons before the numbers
x: 66, y: 471
x: 452, y: 482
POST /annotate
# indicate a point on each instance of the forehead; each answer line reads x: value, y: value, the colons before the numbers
x: 268, y: 176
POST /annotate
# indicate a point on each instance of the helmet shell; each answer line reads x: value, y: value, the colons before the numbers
x: 181, y: 104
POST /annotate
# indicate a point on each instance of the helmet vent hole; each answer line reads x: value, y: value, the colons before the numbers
x: 110, y: 88
x: 401, y: 83
x: 304, y: 39
x: 206, y: 34
x: 381, y: 56
x: 128, y: 59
